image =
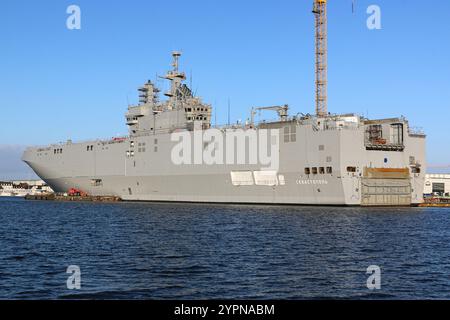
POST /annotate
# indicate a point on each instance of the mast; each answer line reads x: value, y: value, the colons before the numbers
x: 176, y: 78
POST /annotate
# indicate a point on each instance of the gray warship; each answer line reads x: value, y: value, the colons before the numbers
x: 322, y: 159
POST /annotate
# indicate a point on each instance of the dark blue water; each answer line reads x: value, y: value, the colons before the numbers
x: 181, y: 251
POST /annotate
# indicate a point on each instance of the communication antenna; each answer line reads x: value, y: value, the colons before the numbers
x: 215, y: 113
x: 229, y: 104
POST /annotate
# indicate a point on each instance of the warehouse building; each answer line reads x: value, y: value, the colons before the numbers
x: 437, y: 184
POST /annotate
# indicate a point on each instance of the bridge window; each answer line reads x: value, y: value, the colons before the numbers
x: 314, y: 170
x: 322, y: 170
x: 307, y: 171
x: 351, y: 169
x: 329, y: 170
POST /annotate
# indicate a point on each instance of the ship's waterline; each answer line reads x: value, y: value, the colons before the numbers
x: 318, y: 160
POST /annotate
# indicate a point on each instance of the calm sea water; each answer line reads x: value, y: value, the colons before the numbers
x: 182, y: 251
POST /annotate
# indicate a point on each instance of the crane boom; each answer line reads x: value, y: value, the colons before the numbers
x: 281, y: 110
x: 320, y: 12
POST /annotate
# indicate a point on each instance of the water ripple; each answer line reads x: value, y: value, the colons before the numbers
x: 180, y: 251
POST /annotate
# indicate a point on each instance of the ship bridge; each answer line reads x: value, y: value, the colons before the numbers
x: 182, y: 110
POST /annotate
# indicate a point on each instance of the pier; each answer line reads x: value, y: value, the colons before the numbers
x: 72, y: 198
x: 436, y: 202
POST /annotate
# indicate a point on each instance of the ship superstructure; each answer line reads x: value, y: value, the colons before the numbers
x: 180, y: 111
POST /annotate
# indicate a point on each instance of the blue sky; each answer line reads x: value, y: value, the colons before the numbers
x: 57, y: 83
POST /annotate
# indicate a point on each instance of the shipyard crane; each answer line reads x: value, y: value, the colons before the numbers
x: 320, y: 12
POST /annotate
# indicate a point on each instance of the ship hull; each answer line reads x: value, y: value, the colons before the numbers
x: 215, y: 189
x: 379, y: 178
